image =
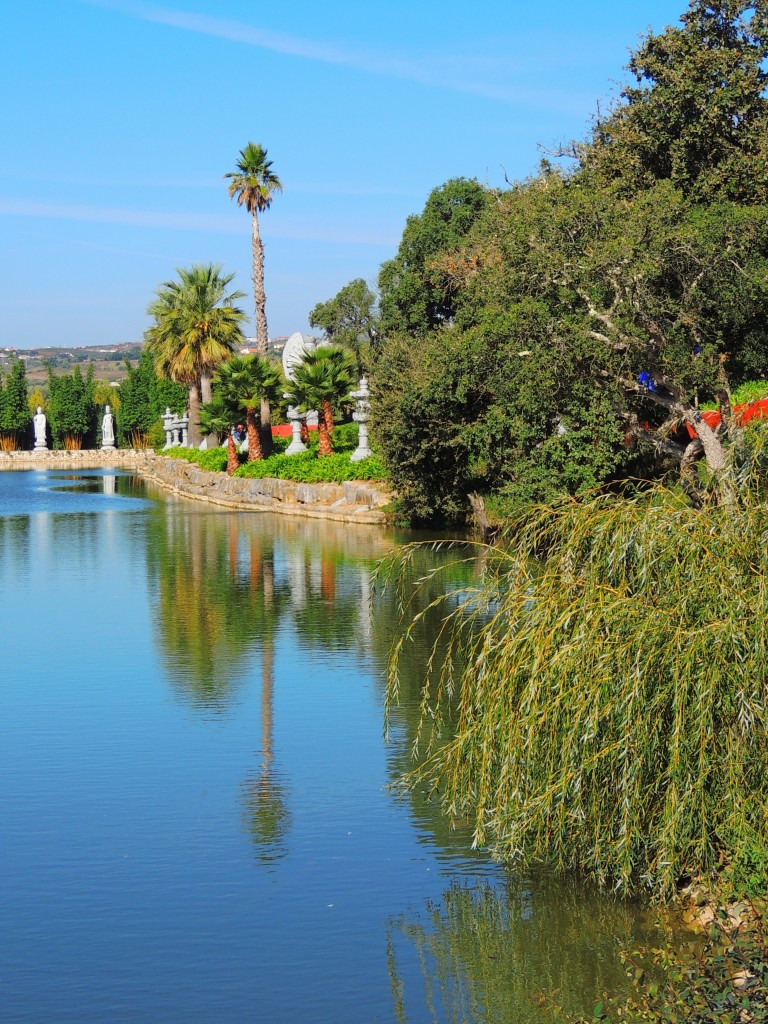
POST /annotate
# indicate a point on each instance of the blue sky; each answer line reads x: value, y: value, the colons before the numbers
x: 119, y: 119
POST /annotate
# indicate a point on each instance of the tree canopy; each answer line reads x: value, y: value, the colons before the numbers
x: 349, y: 319
x: 588, y: 310
x: 415, y: 297
x: 197, y: 326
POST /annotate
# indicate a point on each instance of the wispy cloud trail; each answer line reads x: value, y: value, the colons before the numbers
x: 228, y: 225
x: 457, y: 73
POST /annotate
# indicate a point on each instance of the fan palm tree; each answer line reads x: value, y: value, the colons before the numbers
x: 218, y: 417
x: 320, y: 381
x: 247, y: 381
x: 254, y: 185
x: 196, y: 328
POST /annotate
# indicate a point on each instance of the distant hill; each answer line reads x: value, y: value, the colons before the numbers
x: 108, y: 360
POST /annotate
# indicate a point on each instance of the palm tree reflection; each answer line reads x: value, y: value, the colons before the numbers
x: 264, y: 794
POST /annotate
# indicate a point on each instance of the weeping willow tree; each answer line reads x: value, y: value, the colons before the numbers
x: 606, y: 680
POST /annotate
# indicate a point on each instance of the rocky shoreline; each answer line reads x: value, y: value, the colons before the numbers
x: 353, y: 501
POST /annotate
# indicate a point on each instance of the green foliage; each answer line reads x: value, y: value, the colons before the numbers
x: 322, y: 381
x: 749, y: 391
x: 307, y: 468
x: 14, y: 409
x: 349, y: 319
x: 137, y: 412
x: 725, y: 979
x: 303, y: 468
x: 212, y: 459
x: 156, y: 436
x: 243, y: 383
x: 196, y: 324
x: 72, y: 412
x: 611, y: 712
x: 696, y: 113
x: 415, y: 297
x: 562, y: 333
x: 168, y: 395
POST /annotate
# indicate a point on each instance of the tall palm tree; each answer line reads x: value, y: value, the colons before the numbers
x: 320, y: 381
x: 196, y: 328
x: 254, y: 185
x: 246, y: 381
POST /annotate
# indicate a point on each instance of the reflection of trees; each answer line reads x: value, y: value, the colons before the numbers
x: 486, y: 954
x: 15, y: 534
x: 421, y: 588
x: 203, y: 624
x: 227, y: 586
x: 225, y: 581
x: 264, y: 794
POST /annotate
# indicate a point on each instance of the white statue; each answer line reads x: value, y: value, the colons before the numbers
x: 39, y: 421
x: 297, y: 346
x: 108, y: 431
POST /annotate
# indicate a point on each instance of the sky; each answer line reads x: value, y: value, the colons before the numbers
x: 120, y: 118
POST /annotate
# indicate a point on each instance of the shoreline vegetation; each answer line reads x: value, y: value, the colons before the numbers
x: 596, y: 700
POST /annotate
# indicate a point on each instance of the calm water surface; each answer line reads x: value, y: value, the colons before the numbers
x: 194, y: 813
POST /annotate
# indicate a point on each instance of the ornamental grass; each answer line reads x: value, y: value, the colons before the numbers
x: 602, y: 702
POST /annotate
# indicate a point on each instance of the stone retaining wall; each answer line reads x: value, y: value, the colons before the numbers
x: 122, y: 458
x: 353, y: 501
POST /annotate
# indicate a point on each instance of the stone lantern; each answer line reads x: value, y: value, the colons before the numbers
x: 361, y: 416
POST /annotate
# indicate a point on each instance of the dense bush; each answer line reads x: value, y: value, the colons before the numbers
x: 308, y: 468
x: 305, y: 468
x: 14, y: 409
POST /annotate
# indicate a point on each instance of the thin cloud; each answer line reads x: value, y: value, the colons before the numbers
x: 458, y: 74
x: 228, y: 225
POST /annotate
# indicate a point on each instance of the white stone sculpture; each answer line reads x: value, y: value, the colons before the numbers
x: 108, y: 431
x: 297, y: 346
x: 39, y: 421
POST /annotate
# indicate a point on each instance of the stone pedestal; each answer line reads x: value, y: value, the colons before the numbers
x: 295, y: 419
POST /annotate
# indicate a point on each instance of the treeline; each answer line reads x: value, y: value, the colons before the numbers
x: 74, y: 406
x: 563, y: 333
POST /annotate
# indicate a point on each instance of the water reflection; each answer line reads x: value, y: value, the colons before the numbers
x: 195, y: 784
x: 489, y: 953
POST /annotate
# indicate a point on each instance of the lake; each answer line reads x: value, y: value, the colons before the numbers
x: 196, y: 813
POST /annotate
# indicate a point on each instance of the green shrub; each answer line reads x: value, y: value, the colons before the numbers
x: 308, y: 468
x: 303, y: 468
x: 214, y: 459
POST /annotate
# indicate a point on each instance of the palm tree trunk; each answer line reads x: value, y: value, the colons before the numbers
x: 323, y: 437
x: 194, y: 416
x: 328, y: 413
x: 262, y: 333
x: 206, y: 394
x: 254, y: 444
x: 259, y: 294
x: 232, y: 459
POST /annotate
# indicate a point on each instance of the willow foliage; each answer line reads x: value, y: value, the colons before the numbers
x: 607, y: 679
